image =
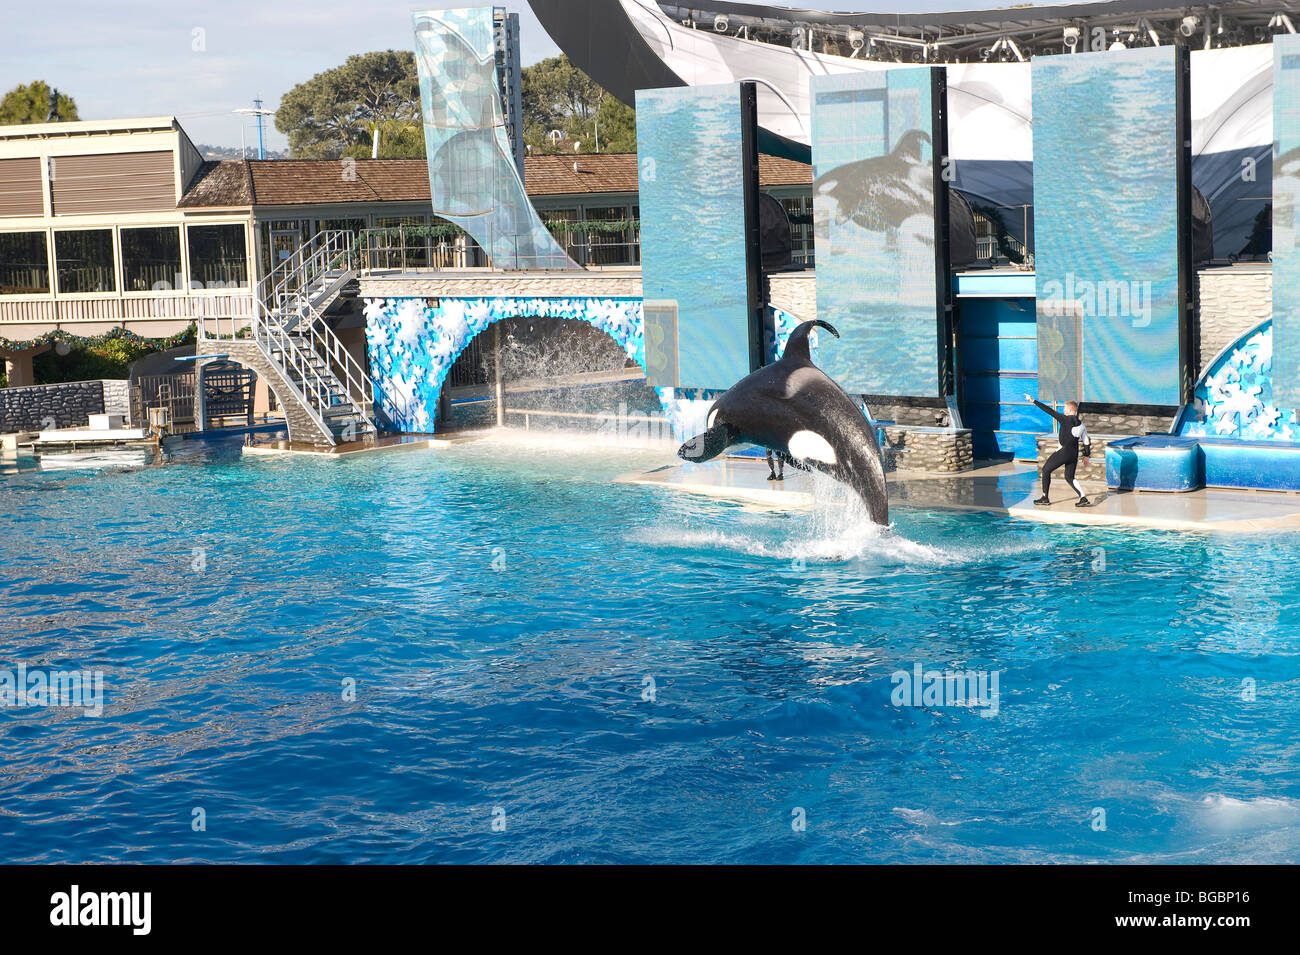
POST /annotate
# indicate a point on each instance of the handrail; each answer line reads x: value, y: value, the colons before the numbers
x: 267, y: 334
x: 357, y: 380
x: 308, y: 262
x: 359, y: 386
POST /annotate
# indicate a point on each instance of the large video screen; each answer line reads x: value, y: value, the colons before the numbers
x: 693, y: 266
x: 1108, y: 161
x: 874, y: 224
x: 1286, y: 230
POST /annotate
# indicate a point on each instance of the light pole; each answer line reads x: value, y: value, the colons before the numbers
x: 259, y: 113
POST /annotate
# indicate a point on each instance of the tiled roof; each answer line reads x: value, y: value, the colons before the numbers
x: 575, y: 175
x: 294, y: 181
x: 240, y: 182
x: 775, y: 171
x: 225, y: 183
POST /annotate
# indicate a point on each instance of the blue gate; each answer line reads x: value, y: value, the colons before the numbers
x: 999, y: 362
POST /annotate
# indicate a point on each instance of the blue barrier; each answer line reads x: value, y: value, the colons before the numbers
x: 1154, y: 463
x: 1160, y: 462
x: 1266, y: 465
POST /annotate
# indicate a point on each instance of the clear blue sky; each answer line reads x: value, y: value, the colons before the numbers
x: 138, y: 58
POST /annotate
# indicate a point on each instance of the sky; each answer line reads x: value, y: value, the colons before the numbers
x: 199, y: 60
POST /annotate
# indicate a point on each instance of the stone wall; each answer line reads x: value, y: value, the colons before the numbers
x: 911, y: 412
x: 1091, y: 473
x: 1230, y: 302
x: 65, y: 405
x: 621, y: 283
x: 939, y: 450
x: 794, y: 292
x: 117, y: 396
x: 1135, y: 425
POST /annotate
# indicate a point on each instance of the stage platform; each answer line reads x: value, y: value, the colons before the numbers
x: 998, y: 488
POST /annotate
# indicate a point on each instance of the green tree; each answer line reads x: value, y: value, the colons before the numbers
x: 558, y: 95
x: 31, y: 104
x: 616, y: 122
x: 336, y: 112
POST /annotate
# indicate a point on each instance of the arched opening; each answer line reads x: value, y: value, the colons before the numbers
x: 237, y: 396
x: 413, y: 344
x: 545, y: 373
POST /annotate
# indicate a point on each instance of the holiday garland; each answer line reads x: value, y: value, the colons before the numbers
x: 92, y: 341
x: 596, y: 226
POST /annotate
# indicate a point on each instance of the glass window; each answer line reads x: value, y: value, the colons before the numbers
x: 24, y: 267
x: 84, y: 261
x: 218, y: 258
x: 355, y: 226
x: 151, y: 259
x: 800, y: 211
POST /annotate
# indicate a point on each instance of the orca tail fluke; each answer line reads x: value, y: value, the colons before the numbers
x: 707, y: 445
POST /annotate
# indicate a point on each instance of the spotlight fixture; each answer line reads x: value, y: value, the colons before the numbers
x: 1071, y: 38
x: 1189, y: 25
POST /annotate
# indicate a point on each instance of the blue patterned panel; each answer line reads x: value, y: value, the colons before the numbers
x: 873, y: 218
x: 1286, y: 229
x: 472, y: 176
x: 1236, y: 397
x: 1106, y: 159
x: 412, y: 345
x: 693, y: 252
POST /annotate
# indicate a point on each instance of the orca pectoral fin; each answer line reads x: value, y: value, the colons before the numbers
x: 707, y: 445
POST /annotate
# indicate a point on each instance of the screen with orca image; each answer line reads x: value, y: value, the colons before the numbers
x: 1286, y: 230
x: 1110, y: 225
x: 693, y: 250
x: 874, y: 223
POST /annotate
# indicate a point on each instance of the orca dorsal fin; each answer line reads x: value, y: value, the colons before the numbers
x: 796, y: 348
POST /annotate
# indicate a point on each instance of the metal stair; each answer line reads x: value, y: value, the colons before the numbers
x: 293, y: 336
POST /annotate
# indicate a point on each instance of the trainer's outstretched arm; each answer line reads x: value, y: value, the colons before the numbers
x: 1055, y: 414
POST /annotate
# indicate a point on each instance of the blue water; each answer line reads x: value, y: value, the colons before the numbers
x: 500, y: 607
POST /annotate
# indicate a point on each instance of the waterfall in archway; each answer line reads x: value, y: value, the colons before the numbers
x: 557, y: 375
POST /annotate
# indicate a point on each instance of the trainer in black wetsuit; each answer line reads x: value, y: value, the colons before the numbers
x: 1073, y: 435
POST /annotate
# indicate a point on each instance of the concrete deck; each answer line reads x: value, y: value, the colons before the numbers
x: 1000, y: 488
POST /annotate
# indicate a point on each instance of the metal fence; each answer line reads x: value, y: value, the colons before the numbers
x: 425, y: 248
x: 174, y: 393
x: 416, y: 248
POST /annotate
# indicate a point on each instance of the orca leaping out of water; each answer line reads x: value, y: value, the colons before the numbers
x: 881, y: 193
x: 796, y: 410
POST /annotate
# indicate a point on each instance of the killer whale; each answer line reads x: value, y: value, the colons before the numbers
x: 881, y: 193
x: 796, y: 410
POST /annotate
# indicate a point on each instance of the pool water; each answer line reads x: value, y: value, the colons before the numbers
x: 550, y: 667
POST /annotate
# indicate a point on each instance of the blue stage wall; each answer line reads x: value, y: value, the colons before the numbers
x: 874, y: 224
x: 1286, y: 230
x: 1106, y: 223
x: 690, y: 156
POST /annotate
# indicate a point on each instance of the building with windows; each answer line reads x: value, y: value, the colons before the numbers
x: 122, y: 224
x: 93, y: 235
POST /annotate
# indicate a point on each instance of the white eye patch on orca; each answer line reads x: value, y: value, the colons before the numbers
x: 713, y: 416
x: 811, y: 446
